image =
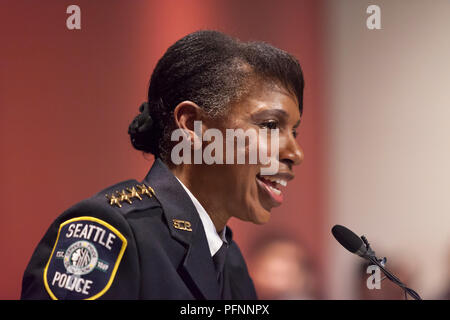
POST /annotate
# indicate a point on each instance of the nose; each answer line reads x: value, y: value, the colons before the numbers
x: 292, y: 153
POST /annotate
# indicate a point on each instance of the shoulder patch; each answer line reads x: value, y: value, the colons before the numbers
x: 84, y: 259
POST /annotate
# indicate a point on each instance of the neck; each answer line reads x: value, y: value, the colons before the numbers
x: 198, y: 183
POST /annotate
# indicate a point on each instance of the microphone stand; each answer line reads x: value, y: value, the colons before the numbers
x: 370, y: 255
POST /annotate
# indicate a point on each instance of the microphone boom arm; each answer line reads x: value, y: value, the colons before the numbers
x: 370, y: 255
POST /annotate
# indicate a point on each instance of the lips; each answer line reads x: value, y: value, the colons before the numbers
x: 272, y: 186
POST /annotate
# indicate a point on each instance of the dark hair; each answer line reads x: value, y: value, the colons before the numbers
x: 208, y: 68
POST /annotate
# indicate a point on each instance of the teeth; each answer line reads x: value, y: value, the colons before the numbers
x: 279, y: 181
x: 276, y: 191
x: 273, y: 189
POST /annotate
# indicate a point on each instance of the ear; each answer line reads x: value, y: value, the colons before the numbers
x: 185, y: 113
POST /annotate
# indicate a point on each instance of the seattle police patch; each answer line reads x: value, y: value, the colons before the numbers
x: 84, y: 259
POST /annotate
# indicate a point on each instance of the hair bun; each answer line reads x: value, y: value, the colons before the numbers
x: 140, y: 130
x: 145, y: 120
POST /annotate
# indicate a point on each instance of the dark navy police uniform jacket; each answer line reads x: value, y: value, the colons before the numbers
x: 133, y: 241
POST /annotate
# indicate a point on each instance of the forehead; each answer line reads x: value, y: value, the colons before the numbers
x: 265, y: 96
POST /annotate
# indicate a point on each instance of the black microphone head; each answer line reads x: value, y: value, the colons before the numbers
x: 347, y: 238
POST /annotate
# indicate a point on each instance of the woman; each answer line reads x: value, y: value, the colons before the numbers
x: 166, y: 237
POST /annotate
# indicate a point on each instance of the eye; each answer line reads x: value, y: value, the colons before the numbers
x: 294, y: 133
x: 269, y: 124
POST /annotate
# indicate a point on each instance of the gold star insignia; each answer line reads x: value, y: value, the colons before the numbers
x: 144, y: 190
x: 124, y: 196
x: 113, y: 200
x: 134, y: 193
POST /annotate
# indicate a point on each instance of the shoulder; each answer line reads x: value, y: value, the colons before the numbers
x: 123, y: 198
x: 104, y: 218
x: 80, y: 254
x: 113, y: 205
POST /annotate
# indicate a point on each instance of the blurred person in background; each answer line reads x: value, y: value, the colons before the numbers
x: 445, y: 294
x: 282, y: 269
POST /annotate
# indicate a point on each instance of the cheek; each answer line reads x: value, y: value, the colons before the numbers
x: 237, y: 182
x: 241, y: 190
x: 269, y: 151
x: 251, y: 202
x: 244, y: 180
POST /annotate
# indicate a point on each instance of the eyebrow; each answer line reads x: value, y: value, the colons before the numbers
x: 279, y: 113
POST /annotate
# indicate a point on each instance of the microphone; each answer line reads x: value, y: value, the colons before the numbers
x: 360, y: 246
x: 350, y: 241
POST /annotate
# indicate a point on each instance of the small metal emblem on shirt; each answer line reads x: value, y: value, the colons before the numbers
x: 182, y: 225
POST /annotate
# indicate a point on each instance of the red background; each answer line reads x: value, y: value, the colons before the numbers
x: 67, y: 97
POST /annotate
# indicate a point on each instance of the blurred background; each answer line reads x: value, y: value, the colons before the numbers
x: 375, y: 130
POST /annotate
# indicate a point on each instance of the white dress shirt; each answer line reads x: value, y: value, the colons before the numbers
x: 215, y: 240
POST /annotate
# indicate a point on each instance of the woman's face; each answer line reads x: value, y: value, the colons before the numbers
x: 243, y: 190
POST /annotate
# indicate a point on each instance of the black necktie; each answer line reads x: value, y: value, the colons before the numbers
x: 219, y: 262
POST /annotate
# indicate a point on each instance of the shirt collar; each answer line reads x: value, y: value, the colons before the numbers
x: 215, y: 240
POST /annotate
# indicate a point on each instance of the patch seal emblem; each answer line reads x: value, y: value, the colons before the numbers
x: 84, y: 259
x: 80, y: 258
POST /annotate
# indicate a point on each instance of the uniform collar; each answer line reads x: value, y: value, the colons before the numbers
x: 176, y: 204
x: 215, y: 240
x: 186, y: 226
